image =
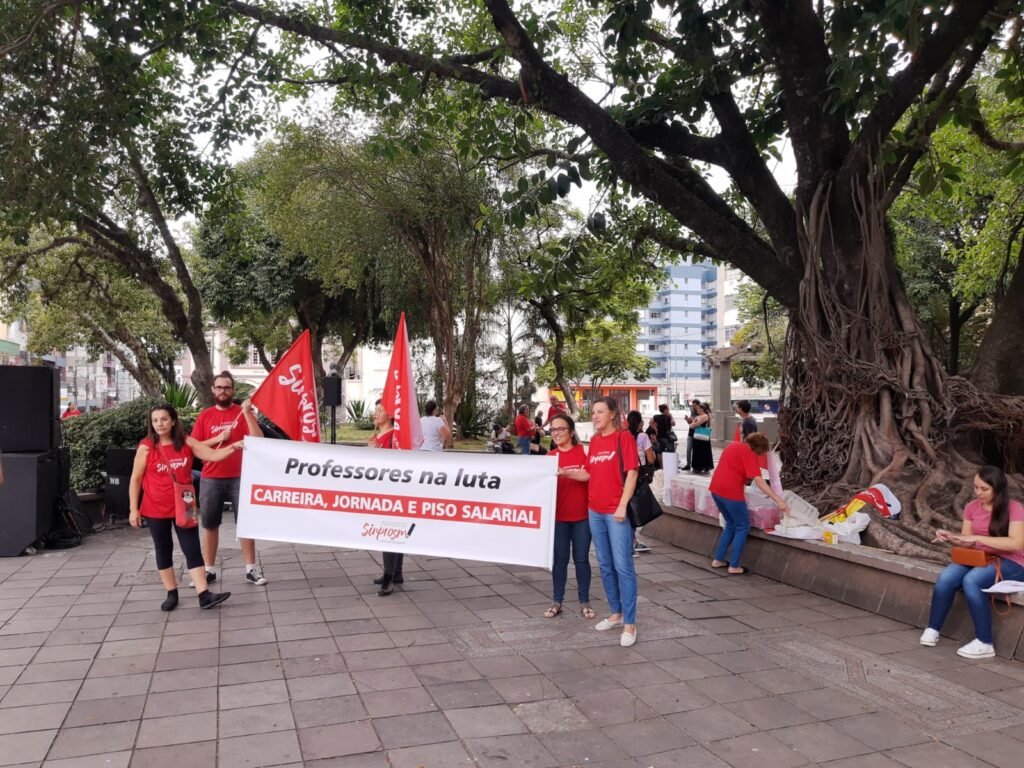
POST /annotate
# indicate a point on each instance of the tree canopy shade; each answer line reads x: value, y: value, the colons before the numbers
x: 645, y: 99
x: 856, y: 89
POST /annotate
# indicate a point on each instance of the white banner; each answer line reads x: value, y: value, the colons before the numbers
x: 471, y: 506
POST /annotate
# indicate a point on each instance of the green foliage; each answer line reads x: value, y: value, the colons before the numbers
x: 474, y: 417
x: 763, y: 329
x: 90, y: 435
x: 956, y: 230
x: 359, y: 413
x: 602, y: 353
x: 181, y: 396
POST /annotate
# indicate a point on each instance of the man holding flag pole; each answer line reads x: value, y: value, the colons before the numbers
x: 222, y: 424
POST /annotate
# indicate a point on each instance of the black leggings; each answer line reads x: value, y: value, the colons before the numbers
x: 188, y: 540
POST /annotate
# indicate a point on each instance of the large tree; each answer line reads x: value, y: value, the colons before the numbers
x: 97, y: 143
x: 72, y: 298
x: 855, y: 88
x: 650, y: 101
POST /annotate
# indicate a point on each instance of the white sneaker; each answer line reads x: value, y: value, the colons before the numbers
x: 930, y: 637
x: 628, y: 638
x: 605, y: 624
x: 977, y: 650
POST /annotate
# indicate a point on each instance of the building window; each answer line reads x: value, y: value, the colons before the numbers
x: 654, y: 315
x: 653, y: 347
x: 254, y: 356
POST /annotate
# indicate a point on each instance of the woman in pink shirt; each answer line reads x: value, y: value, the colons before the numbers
x: 999, y: 523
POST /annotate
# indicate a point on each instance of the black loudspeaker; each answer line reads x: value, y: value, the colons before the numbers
x: 29, y: 404
x: 28, y: 499
x: 120, y: 461
x: 332, y: 390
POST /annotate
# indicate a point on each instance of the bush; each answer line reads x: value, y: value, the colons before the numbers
x: 89, y: 436
x: 360, y: 414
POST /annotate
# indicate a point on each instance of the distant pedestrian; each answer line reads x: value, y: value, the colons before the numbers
x: 555, y: 408
x: 690, y: 432
x: 737, y: 466
x: 524, y: 430
x: 163, y: 458
x: 572, y: 528
x: 703, y: 460
x: 747, y: 424
x: 536, y: 446
x: 664, y: 422
x: 648, y: 464
x: 436, y: 433
x: 70, y: 412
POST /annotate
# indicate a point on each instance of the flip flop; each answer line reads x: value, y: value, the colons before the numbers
x: 743, y: 572
x: 553, y: 611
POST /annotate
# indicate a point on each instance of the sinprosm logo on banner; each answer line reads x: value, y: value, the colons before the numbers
x: 388, y: 531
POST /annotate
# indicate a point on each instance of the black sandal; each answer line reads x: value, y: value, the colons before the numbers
x: 553, y: 611
x: 744, y: 571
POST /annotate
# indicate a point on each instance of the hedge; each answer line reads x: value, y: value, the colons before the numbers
x: 90, y: 435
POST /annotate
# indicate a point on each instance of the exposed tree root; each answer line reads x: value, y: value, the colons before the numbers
x: 864, y: 399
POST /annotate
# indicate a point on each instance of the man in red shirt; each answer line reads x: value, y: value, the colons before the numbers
x: 222, y: 424
x: 555, y: 409
x: 524, y: 430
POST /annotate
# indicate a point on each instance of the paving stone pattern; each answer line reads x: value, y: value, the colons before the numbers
x: 459, y: 669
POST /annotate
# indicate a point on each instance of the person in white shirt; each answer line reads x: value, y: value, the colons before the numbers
x: 436, y: 433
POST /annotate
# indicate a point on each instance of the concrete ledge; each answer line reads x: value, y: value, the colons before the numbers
x: 899, y: 588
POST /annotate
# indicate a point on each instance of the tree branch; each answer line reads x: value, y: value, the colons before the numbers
x: 907, y: 86
x: 939, y: 99
x: 979, y: 127
x: 820, y: 137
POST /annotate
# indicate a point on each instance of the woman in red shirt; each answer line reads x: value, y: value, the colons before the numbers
x: 384, y: 437
x: 737, y: 466
x: 611, y: 487
x: 164, y: 452
x: 572, y: 529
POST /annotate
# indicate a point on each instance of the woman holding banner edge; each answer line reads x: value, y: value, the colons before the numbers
x: 384, y: 437
x: 611, y: 487
x: 572, y: 528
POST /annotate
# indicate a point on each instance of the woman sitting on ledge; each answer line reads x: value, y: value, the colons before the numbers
x: 1002, y: 519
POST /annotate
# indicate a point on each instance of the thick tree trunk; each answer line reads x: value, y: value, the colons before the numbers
x: 865, y: 400
x: 550, y: 317
x: 998, y: 367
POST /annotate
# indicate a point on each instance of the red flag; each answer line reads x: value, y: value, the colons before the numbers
x: 399, y: 398
x: 288, y: 395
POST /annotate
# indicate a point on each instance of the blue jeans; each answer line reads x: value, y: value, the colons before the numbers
x: 576, y: 535
x: 613, y: 542
x: 971, y: 581
x: 737, y: 526
x: 524, y: 445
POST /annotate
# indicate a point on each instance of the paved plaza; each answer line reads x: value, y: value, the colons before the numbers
x: 459, y: 669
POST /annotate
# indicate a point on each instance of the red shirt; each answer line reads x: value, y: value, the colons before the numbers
x: 524, y: 427
x: 157, y: 488
x: 571, y: 504
x: 980, y: 518
x: 554, y: 410
x: 212, y: 422
x: 737, y: 466
x: 603, y: 466
x: 386, y: 440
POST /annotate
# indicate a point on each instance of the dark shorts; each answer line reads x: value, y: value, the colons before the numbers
x: 213, y: 492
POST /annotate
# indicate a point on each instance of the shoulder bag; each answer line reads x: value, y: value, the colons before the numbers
x: 702, y: 433
x: 186, y: 509
x: 643, y: 507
